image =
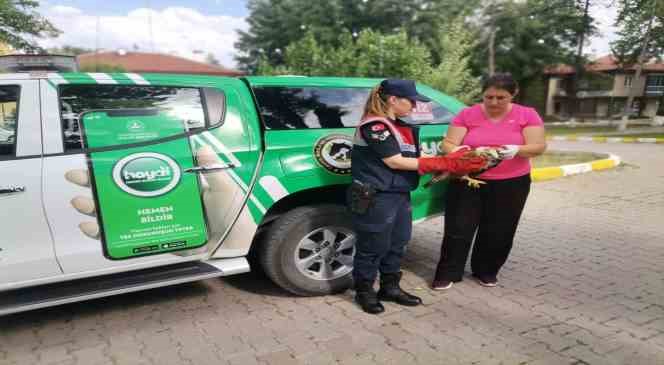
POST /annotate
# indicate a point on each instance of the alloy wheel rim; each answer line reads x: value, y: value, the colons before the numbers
x: 326, y: 253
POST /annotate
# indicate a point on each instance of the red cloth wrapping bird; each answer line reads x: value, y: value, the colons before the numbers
x: 490, y: 154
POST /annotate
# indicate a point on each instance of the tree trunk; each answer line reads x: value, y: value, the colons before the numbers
x: 639, y: 67
x: 492, y: 51
x: 579, y: 67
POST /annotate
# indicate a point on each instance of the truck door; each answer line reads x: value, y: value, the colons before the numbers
x: 212, y: 140
x: 26, y: 247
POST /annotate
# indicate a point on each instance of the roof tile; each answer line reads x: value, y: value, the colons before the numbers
x: 140, y: 62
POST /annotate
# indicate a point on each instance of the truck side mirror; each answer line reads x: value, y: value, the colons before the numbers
x: 215, y: 106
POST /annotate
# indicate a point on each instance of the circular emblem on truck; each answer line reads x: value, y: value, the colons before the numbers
x: 333, y: 153
x: 146, y: 174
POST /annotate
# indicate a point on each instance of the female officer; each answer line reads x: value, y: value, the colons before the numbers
x: 385, y: 169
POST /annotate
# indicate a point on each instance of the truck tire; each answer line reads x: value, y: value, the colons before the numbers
x: 309, y: 250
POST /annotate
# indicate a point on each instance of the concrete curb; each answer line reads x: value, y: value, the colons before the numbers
x: 550, y: 173
x: 605, y: 139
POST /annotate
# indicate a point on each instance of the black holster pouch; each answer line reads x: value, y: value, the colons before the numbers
x: 361, y: 197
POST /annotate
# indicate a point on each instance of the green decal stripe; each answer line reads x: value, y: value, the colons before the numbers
x: 262, y: 195
x: 150, y: 78
x: 136, y: 79
x: 122, y: 79
x: 238, y: 180
x: 222, y: 148
x: 256, y: 214
x: 102, y: 78
x: 80, y: 78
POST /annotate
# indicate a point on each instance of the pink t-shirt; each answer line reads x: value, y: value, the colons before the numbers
x: 509, y: 130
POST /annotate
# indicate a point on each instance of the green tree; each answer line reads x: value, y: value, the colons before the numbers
x: 20, y: 22
x: 377, y: 55
x: 371, y: 55
x: 453, y: 75
x: 530, y: 35
x: 632, y: 21
x: 642, y: 28
x: 274, y: 24
x: 395, y: 56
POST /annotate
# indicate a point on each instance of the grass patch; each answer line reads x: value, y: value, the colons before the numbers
x: 562, y: 131
x: 559, y: 158
x: 640, y: 135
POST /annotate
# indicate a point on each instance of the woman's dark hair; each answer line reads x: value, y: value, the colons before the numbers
x: 503, y: 81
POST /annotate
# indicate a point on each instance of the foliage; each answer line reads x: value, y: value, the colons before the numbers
x: 275, y: 24
x: 20, y: 22
x: 5, y: 49
x: 372, y: 55
x: 394, y: 56
x: 633, y: 18
x: 343, y: 38
x: 377, y: 55
x: 531, y: 35
x: 453, y: 75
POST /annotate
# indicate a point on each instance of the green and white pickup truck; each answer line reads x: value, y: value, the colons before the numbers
x: 114, y: 183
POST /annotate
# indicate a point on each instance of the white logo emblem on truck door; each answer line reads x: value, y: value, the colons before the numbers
x: 135, y: 126
x: 333, y: 153
x: 146, y: 174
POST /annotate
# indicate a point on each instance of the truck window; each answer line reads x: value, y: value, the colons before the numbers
x: 180, y: 102
x: 317, y: 107
x: 430, y: 113
x: 8, y: 118
x: 310, y: 107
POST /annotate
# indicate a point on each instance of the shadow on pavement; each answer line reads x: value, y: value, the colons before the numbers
x: 256, y: 282
x: 102, y: 306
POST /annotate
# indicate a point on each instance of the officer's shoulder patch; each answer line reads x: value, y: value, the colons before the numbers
x: 378, y: 127
x: 380, y: 135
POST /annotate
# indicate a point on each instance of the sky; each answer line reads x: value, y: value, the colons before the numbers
x: 190, y: 29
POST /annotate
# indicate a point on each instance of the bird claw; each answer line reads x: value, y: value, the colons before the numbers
x: 473, y: 183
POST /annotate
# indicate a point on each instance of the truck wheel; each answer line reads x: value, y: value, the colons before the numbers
x: 309, y: 250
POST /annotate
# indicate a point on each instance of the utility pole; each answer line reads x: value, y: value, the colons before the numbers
x: 639, y: 67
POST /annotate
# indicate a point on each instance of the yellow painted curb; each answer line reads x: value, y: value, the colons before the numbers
x: 550, y: 173
x: 546, y: 173
x: 603, y: 164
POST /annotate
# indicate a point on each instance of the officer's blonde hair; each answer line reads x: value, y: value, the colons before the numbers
x: 376, y: 104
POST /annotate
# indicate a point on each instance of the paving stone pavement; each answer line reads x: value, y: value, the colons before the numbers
x: 584, y: 285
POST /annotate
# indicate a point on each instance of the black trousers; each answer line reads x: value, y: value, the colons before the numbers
x: 382, y: 235
x: 493, y: 211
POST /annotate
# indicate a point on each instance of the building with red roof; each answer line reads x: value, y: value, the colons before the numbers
x: 141, y: 62
x: 604, y: 88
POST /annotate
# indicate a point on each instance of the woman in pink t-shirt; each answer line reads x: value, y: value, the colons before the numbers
x: 493, y: 210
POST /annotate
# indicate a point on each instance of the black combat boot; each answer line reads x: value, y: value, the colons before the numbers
x: 365, y: 296
x: 391, y: 292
